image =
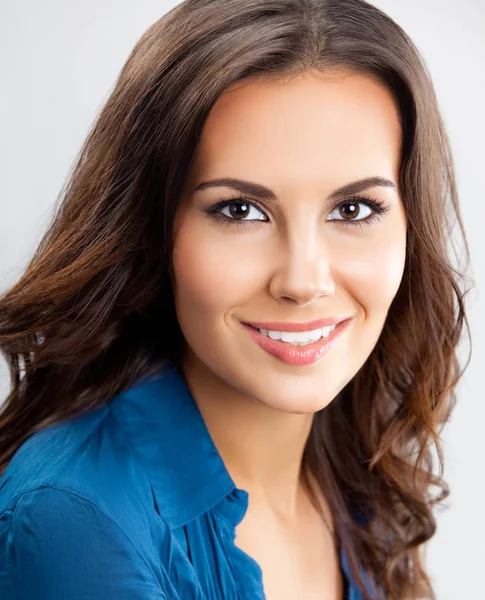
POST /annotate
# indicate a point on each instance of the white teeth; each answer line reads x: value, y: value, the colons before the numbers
x: 274, y: 335
x: 299, y: 338
x: 315, y: 335
x: 294, y: 336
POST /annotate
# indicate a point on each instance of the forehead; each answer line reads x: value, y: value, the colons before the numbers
x: 330, y: 126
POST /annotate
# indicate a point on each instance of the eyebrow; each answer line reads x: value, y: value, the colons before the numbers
x: 256, y: 189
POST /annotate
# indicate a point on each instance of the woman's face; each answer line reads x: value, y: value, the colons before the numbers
x: 308, y: 252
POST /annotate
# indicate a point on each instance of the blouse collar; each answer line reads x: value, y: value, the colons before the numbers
x: 170, y: 438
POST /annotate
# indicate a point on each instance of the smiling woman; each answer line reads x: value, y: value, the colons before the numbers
x: 233, y: 351
x: 303, y: 254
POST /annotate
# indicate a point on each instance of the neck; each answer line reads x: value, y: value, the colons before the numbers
x: 262, y: 448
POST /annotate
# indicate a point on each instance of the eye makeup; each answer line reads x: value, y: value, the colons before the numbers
x: 377, y: 207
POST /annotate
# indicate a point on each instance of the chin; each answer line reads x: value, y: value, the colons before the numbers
x: 294, y: 403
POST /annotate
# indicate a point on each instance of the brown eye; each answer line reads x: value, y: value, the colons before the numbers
x: 239, y: 209
x: 349, y: 210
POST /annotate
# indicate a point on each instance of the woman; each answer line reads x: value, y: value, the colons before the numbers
x: 232, y: 353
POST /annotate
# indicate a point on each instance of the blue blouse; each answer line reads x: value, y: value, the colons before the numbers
x: 130, y: 501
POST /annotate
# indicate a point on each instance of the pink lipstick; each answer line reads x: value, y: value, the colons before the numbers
x: 298, y: 355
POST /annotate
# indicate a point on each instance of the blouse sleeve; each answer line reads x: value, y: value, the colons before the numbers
x: 65, y: 547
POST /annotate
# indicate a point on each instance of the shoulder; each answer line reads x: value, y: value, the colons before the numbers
x: 74, y: 502
x: 86, y: 459
x: 55, y: 544
x: 46, y: 454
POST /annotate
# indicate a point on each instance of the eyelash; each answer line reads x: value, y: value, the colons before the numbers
x: 375, y: 205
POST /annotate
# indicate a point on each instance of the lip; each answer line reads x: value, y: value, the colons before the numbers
x: 309, y: 326
x: 297, y: 355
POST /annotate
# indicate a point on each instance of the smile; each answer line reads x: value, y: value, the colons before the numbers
x: 299, y: 338
x: 298, y: 348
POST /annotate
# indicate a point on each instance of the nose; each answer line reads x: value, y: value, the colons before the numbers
x: 304, y: 274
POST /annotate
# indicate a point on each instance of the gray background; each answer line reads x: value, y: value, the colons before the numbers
x: 58, y: 62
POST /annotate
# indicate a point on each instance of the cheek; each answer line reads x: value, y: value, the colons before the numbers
x: 373, y: 274
x: 215, y: 273
x: 210, y: 275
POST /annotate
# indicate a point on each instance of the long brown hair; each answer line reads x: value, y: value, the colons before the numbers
x: 94, y: 312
